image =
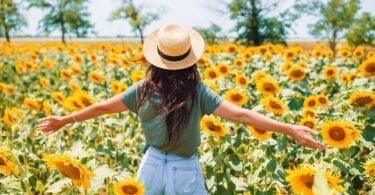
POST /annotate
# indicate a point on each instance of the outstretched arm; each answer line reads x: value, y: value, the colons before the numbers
x: 233, y: 112
x: 53, y: 123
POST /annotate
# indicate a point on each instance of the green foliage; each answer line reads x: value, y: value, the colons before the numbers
x: 11, y: 19
x: 68, y: 16
x: 362, y: 31
x: 211, y: 34
x: 335, y: 18
x: 137, y: 18
x: 253, y: 25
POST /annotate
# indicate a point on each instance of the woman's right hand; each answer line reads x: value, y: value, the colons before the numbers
x: 51, y: 124
x: 301, y: 134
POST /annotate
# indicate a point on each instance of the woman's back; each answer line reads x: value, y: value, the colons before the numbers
x: 153, y: 121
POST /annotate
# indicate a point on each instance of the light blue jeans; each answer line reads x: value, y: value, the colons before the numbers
x: 170, y: 174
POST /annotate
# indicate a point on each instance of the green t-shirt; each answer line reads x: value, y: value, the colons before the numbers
x: 155, y: 128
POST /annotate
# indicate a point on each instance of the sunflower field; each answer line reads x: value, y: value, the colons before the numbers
x: 332, y: 93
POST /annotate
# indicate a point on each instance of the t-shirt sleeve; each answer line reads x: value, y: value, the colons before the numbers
x: 210, y: 100
x: 129, y: 96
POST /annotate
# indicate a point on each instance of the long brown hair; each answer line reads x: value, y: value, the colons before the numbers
x: 176, y: 88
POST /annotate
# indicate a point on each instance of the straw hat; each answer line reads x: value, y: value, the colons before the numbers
x: 173, y: 47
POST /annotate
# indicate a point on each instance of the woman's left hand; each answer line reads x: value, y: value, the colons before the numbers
x: 301, y: 134
x: 51, y: 124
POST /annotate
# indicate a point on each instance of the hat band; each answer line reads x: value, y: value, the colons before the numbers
x: 173, y: 58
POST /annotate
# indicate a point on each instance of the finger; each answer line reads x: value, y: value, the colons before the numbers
x: 308, y: 130
x: 41, y: 125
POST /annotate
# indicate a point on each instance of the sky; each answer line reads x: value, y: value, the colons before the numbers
x: 190, y: 13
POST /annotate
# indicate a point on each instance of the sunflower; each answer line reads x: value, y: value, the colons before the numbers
x: 308, y: 122
x: 223, y: 69
x: 7, y: 89
x: 322, y: 100
x: 29, y: 103
x: 334, y: 181
x: 290, y: 54
x: 310, y: 102
x: 267, y: 87
x: 296, y: 73
x: 286, y: 66
x: 65, y: 74
x: 242, y: 80
x: 247, y: 55
x: 259, y: 75
x: 274, y: 105
x: 73, y: 86
x: 70, y: 168
x: 203, y: 61
x: 8, y: 117
x: 330, y: 72
x: 237, y: 97
x: 213, y: 126
x: 267, y: 56
x: 48, y: 63
x: 93, y: 57
x: 356, y: 133
x: 238, y: 63
x: 47, y: 108
x: 117, y: 87
x: 367, y: 68
x: 232, y: 48
x: 77, y: 58
x: 262, y: 49
x: 301, y: 179
x: 370, y: 168
x: 370, y: 54
x: 73, y: 103
x: 84, y: 98
x: 308, y: 112
x: 44, y: 82
x: 7, y: 166
x: 359, y: 52
x: 211, y: 73
x: 129, y: 187
x: 75, y: 69
x: 96, y: 78
x: 337, y: 134
x: 137, y: 75
x: 58, y: 97
x: 259, y: 134
x: 362, y: 98
x: 124, y: 62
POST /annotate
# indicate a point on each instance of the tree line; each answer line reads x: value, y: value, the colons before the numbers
x: 254, y: 23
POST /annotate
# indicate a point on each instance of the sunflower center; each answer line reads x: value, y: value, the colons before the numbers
x: 86, y: 102
x: 290, y: 54
x: 309, y: 113
x: 2, y: 161
x: 269, y: 87
x: 260, y: 131
x: 337, y: 133
x: 242, y: 81
x: 69, y: 170
x: 212, y: 127
x: 308, y: 180
x: 330, y: 72
x: 223, y: 70
x: 236, y: 97
x: 363, y: 100
x: 274, y: 105
x: 311, y: 103
x: 370, y: 67
x: 308, y: 124
x: 212, y: 74
x: 129, y: 189
x: 297, y: 73
x: 322, y: 100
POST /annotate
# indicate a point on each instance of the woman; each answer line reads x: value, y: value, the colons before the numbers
x: 170, y: 103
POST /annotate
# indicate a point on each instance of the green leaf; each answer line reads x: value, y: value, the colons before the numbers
x: 341, y: 166
x: 295, y: 103
x: 271, y: 165
x: 321, y: 185
x: 369, y: 133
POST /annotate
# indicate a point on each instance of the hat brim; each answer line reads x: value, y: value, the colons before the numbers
x: 151, y: 54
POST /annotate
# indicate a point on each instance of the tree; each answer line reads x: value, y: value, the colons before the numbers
x: 253, y: 24
x: 211, y: 34
x: 362, y: 32
x: 68, y: 16
x: 137, y: 18
x: 335, y: 18
x: 11, y: 19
